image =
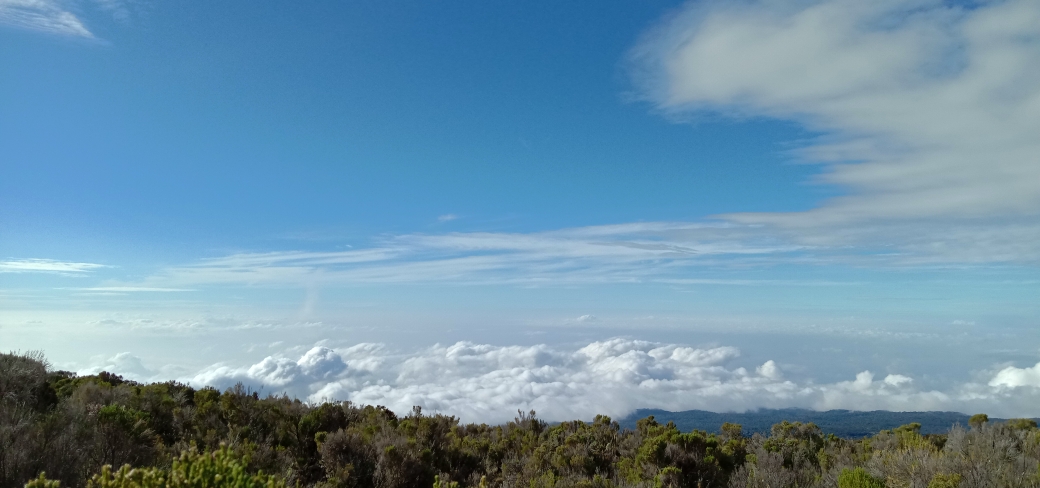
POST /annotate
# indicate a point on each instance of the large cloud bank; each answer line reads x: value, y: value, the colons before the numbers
x: 486, y: 383
x: 928, y: 111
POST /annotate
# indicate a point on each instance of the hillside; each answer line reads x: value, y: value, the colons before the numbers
x: 843, y: 423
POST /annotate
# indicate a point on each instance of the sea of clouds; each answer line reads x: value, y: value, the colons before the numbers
x: 489, y: 383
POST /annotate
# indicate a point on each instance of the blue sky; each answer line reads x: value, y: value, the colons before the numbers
x: 197, y: 190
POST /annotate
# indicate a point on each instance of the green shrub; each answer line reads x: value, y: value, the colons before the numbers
x: 220, y: 468
x: 438, y: 483
x: 42, y: 482
x: 858, y: 478
x: 945, y: 481
x: 1021, y: 424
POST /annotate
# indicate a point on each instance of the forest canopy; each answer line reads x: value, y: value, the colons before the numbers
x: 103, y: 431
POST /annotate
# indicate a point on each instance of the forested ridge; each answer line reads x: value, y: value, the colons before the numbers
x: 56, y: 426
x: 843, y: 423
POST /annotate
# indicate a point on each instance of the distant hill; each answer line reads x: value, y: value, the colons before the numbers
x: 844, y: 423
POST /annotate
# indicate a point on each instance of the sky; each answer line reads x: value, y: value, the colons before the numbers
x: 479, y: 207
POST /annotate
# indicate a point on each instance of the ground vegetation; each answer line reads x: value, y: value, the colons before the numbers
x: 59, y: 429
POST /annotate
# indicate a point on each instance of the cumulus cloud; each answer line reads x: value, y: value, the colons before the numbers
x: 769, y: 369
x: 1016, y: 377
x: 897, y: 380
x: 301, y: 377
x: 482, y: 382
x: 123, y: 363
x: 929, y: 112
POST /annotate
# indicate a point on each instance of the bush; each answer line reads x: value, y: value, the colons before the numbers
x: 220, y: 468
x: 43, y: 482
x: 945, y: 481
x: 859, y: 478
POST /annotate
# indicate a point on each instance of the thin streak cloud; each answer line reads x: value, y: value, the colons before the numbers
x: 661, y: 252
x: 47, y: 266
x: 133, y: 289
x: 613, y: 254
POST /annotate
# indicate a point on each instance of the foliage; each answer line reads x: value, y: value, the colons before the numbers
x: 978, y: 419
x: 42, y: 482
x: 945, y: 481
x: 858, y: 478
x: 75, y: 428
x: 221, y: 468
x: 843, y: 423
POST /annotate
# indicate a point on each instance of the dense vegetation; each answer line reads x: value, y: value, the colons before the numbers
x: 842, y: 423
x: 56, y: 426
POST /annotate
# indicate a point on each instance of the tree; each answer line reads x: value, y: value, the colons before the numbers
x: 976, y: 421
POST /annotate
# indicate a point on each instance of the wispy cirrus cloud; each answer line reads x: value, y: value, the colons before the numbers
x: 47, y: 266
x: 602, y: 254
x: 677, y: 253
x: 928, y: 112
x: 43, y: 15
x: 135, y: 289
x: 61, y: 17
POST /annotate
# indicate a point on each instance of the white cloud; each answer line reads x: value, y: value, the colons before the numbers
x: 680, y: 253
x: 929, y: 112
x: 898, y: 380
x: 124, y: 363
x: 482, y: 382
x: 61, y: 17
x: 447, y: 218
x: 132, y: 289
x: 659, y: 251
x: 770, y: 370
x: 42, y: 15
x: 321, y: 362
x: 1016, y: 377
x: 126, y: 322
x: 47, y: 266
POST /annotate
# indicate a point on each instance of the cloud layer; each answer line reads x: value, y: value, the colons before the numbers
x: 600, y: 254
x: 487, y: 383
x: 658, y: 252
